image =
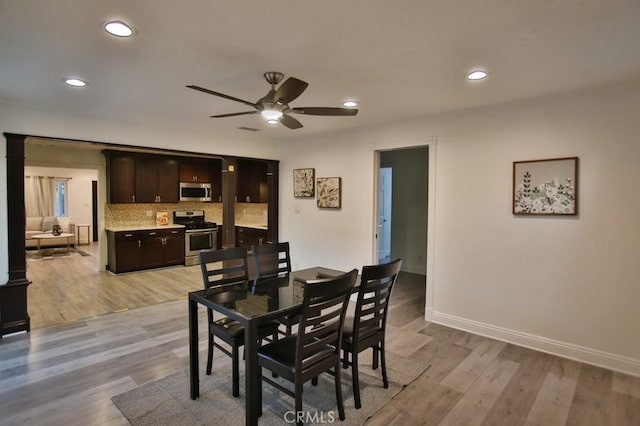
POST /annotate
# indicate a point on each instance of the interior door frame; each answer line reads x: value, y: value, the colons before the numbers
x: 431, y: 143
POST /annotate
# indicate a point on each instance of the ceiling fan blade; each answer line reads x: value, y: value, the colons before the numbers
x: 289, y: 90
x: 325, y: 111
x: 222, y: 95
x: 290, y: 122
x: 233, y: 114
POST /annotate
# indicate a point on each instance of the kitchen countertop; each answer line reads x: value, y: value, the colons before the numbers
x: 141, y: 227
x: 263, y: 227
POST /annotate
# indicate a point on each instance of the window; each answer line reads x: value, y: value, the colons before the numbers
x: 60, y: 197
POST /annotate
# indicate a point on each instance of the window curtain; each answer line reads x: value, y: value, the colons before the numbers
x: 39, y: 193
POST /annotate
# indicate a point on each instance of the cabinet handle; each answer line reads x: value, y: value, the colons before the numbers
x: 139, y: 244
x: 152, y: 233
x: 174, y: 232
x: 128, y: 235
x: 133, y: 198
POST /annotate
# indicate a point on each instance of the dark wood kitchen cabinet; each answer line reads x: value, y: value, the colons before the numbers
x: 156, y: 180
x: 198, y: 171
x: 121, y: 179
x: 140, y: 178
x: 145, y: 249
x: 247, y: 236
x: 251, y: 184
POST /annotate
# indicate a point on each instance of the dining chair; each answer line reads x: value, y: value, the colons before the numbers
x: 315, y: 349
x: 228, y: 267
x: 366, y: 329
x: 272, y: 264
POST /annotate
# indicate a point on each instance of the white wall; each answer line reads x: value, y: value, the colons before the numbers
x: 564, y: 285
x: 78, y: 189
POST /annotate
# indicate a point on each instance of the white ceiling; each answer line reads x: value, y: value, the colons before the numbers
x: 402, y: 58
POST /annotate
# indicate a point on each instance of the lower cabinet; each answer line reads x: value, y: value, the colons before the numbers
x: 145, y: 249
x: 247, y: 237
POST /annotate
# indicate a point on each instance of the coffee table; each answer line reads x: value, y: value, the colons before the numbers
x: 66, y: 235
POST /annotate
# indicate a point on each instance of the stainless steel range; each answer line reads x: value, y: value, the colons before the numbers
x: 200, y: 235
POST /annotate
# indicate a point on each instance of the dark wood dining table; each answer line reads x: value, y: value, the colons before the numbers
x: 251, y: 307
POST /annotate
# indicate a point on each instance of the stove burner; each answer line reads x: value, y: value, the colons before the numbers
x: 193, y: 220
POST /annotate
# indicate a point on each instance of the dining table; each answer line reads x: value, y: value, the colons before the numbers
x: 251, y: 307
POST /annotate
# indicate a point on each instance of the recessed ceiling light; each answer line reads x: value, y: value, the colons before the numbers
x: 118, y: 29
x: 272, y: 121
x: 477, y: 75
x: 75, y: 82
x: 350, y: 104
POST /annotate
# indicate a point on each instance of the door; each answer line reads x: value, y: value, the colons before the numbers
x: 384, y: 214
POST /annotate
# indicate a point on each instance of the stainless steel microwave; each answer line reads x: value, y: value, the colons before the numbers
x: 190, y: 191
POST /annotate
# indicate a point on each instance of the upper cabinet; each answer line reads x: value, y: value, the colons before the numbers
x: 137, y: 178
x: 121, y: 178
x: 252, y: 181
x: 156, y: 179
x: 195, y: 170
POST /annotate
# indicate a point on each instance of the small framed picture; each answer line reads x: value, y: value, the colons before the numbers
x: 545, y: 187
x: 303, y: 183
x: 329, y: 192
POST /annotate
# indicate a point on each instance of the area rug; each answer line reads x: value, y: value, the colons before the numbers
x: 166, y: 401
x: 53, y: 252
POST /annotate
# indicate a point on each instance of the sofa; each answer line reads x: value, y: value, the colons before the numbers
x: 44, y: 225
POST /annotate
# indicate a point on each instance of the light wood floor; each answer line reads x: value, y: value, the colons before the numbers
x: 69, y: 288
x: 65, y: 374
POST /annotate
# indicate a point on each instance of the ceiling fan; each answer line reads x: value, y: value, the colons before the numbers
x: 274, y: 106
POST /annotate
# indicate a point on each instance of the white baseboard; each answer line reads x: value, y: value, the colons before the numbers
x: 592, y: 356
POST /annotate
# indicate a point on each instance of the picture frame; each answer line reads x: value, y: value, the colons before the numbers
x: 329, y: 192
x: 303, y: 183
x: 545, y: 187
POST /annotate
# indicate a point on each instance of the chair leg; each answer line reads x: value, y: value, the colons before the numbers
x: 345, y: 359
x: 236, y: 371
x: 314, y: 381
x: 275, y: 338
x: 385, y: 382
x: 210, y: 355
x: 298, y: 395
x: 260, y: 391
x: 374, y: 361
x: 356, y: 379
x: 339, y: 390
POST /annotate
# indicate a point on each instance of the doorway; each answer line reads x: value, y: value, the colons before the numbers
x: 403, y: 182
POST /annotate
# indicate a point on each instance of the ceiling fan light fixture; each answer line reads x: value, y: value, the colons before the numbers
x: 271, y: 114
x: 476, y: 75
x: 350, y: 104
x: 75, y: 82
x: 118, y: 29
x: 272, y: 121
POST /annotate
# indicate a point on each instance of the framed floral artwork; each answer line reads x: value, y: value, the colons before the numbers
x: 329, y: 192
x: 546, y: 187
x: 303, y: 183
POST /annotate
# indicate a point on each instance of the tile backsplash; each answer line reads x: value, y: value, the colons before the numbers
x: 123, y: 215
x: 248, y: 214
